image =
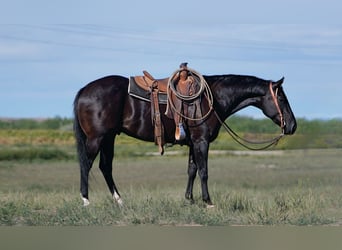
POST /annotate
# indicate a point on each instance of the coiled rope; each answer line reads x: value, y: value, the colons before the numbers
x: 204, y: 89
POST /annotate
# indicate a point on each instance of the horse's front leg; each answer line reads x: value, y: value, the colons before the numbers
x: 201, y: 149
x: 192, y: 171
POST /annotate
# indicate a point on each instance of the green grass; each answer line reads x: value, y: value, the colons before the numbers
x: 299, y: 187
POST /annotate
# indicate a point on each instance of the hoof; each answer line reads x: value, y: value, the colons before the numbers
x: 188, y: 202
x: 85, y: 202
x: 210, y: 206
x: 118, y: 199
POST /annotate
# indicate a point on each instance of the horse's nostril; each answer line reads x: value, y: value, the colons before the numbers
x: 294, y: 128
x: 291, y: 129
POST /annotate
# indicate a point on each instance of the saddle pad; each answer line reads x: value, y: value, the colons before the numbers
x: 136, y: 91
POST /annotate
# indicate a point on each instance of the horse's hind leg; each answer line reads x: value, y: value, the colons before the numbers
x: 106, y: 167
x: 86, y: 161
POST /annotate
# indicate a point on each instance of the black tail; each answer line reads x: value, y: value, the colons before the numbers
x: 80, y: 136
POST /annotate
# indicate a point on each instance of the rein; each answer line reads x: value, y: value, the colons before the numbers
x: 271, y: 142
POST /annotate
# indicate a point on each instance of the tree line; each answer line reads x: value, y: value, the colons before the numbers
x: 30, y: 123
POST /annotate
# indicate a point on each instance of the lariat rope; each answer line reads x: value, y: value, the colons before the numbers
x: 204, y: 88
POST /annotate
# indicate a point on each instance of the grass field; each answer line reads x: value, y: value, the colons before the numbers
x: 296, y: 187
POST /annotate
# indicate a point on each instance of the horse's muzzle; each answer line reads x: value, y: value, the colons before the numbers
x: 290, y: 128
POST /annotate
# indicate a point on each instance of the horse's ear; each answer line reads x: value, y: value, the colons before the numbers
x: 279, y: 82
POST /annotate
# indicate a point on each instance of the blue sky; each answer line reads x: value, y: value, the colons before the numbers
x: 50, y: 49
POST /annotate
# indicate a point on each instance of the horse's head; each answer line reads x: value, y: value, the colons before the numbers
x: 275, y: 105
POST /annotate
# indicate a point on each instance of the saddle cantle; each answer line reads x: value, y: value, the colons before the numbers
x: 147, y: 82
x: 141, y: 87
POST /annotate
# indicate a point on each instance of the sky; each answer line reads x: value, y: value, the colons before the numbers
x: 51, y: 49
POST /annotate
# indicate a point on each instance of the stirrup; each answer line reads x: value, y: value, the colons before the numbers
x: 180, y: 132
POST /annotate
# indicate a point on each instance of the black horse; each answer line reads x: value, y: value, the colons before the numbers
x: 104, y: 109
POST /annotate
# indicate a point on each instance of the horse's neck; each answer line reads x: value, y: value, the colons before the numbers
x: 236, y: 95
x: 245, y: 103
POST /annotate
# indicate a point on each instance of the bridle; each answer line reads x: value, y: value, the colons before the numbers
x: 268, y: 143
x: 276, y: 103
